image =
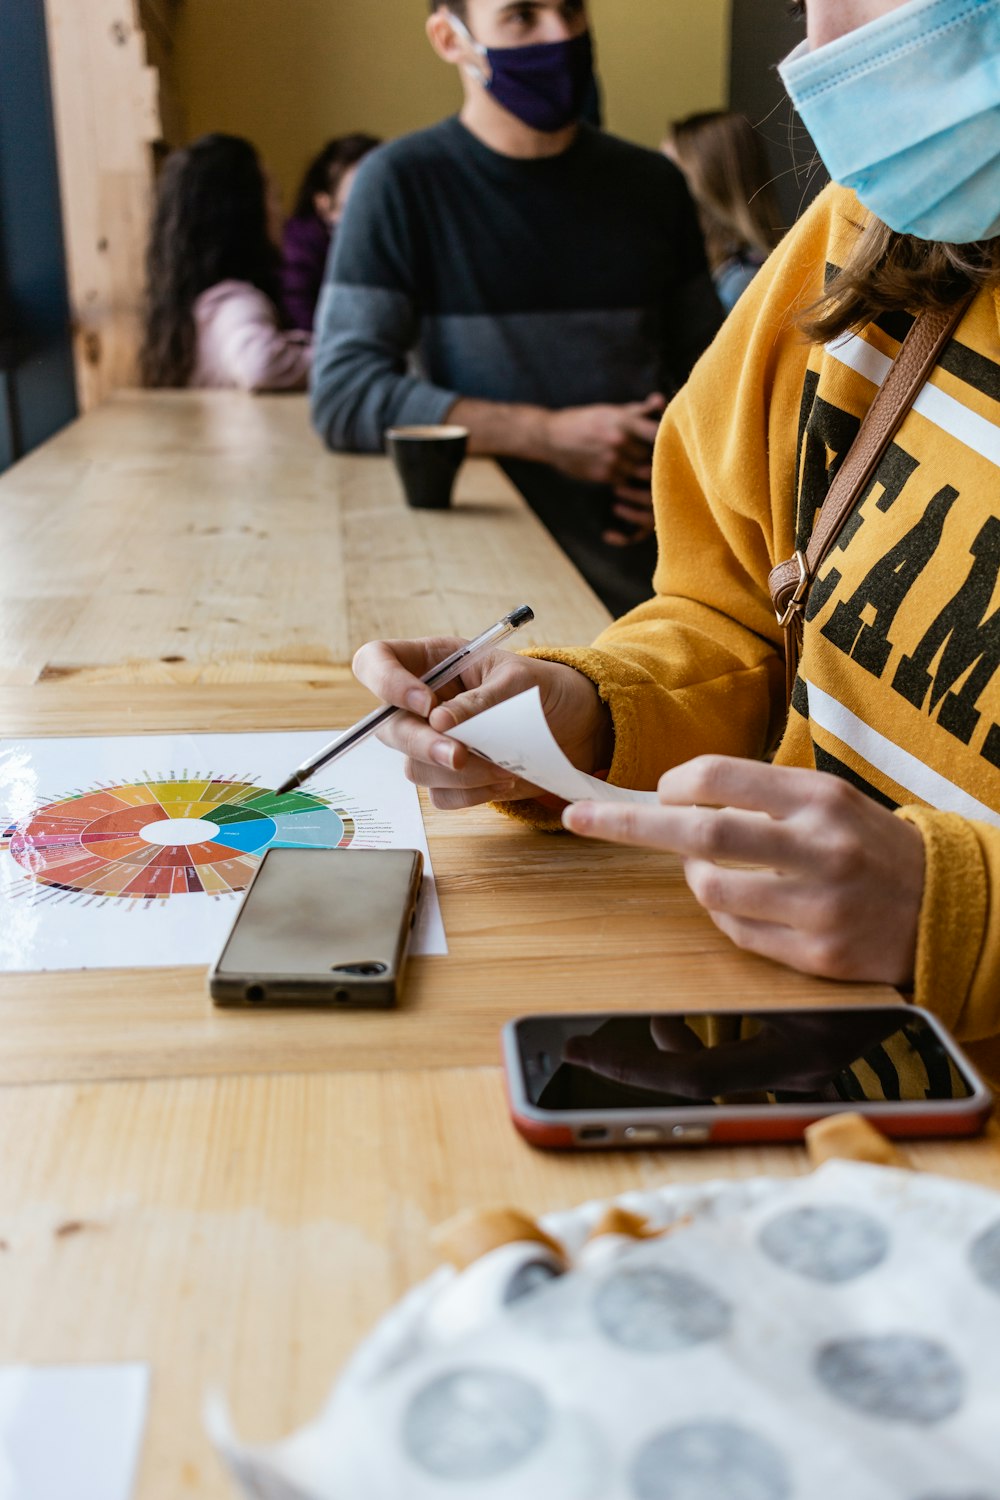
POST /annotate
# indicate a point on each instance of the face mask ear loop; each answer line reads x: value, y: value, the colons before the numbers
x: 479, y: 74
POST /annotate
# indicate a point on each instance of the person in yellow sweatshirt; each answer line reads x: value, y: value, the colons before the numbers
x: 868, y: 846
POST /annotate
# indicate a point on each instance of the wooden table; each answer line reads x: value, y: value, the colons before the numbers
x: 236, y: 1198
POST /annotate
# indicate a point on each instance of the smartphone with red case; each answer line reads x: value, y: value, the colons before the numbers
x: 664, y: 1078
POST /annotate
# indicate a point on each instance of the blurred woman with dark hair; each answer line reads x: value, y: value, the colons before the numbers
x: 320, y: 204
x: 212, y: 316
x: 730, y: 178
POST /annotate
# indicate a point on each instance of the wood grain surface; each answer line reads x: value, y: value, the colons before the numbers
x: 213, y: 534
x: 246, y: 1232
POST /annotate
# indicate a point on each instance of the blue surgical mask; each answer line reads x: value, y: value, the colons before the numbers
x: 545, y: 85
x: 906, y: 111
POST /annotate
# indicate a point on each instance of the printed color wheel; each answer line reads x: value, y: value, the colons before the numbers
x: 154, y: 839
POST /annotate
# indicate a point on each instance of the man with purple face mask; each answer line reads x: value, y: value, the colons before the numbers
x: 517, y: 272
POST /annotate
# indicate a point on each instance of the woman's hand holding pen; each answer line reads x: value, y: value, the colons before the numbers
x: 454, y: 776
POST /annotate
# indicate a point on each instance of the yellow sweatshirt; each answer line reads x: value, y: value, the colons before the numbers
x: 898, y: 689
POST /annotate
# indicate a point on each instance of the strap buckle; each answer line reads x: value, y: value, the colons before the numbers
x: 801, y: 589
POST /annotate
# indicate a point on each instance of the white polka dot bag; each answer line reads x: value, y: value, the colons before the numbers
x: 831, y: 1336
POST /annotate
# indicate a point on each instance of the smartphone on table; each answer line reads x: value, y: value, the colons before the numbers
x: 669, y: 1078
x: 321, y: 927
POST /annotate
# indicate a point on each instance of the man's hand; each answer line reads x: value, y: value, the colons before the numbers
x: 611, y: 445
x: 837, y: 880
x: 455, y: 776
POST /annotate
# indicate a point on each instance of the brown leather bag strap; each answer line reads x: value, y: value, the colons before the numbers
x: 789, y: 582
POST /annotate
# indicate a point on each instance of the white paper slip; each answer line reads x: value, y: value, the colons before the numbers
x: 71, y: 1432
x: 516, y: 735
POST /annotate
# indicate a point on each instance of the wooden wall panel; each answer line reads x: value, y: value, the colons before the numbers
x: 107, y: 118
x: 158, y: 19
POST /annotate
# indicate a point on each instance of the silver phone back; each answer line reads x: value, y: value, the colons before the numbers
x: 321, y: 925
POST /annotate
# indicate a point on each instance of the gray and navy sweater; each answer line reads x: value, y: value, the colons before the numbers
x: 558, y: 282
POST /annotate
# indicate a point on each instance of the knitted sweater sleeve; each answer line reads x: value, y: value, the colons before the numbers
x: 958, y: 943
x: 242, y: 344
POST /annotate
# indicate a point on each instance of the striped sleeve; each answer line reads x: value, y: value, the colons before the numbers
x: 367, y: 324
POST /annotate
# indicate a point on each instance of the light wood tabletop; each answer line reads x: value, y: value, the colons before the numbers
x: 236, y: 1197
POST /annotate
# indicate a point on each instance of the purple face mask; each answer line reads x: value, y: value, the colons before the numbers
x: 545, y: 85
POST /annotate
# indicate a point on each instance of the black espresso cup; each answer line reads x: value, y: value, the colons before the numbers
x: 427, y: 460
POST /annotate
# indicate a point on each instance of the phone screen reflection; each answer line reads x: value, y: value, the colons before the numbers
x: 670, y: 1060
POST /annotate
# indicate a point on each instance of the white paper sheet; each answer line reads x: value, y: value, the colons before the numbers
x: 135, y: 851
x: 515, y: 734
x: 71, y: 1432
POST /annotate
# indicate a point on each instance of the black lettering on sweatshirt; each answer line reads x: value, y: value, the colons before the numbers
x: 825, y: 437
x: 969, y: 646
x: 893, y: 475
x: 884, y: 589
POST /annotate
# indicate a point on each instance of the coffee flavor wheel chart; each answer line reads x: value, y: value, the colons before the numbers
x: 157, y: 839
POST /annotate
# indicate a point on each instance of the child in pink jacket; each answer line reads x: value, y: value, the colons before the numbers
x: 212, y: 314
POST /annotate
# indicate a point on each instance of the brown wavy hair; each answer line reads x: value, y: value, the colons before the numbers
x: 889, y: 272
x: 731, y: 181
x: 326, y: 171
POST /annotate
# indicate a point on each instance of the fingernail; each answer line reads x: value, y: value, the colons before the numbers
x: 419, y: 701
x: 577, y: 817
x: 443, y: 754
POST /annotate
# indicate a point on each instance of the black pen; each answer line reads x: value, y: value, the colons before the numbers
x: 445, y: 671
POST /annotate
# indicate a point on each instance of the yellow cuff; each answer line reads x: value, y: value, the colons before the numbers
x: 953, y: 912
x: 613, y: 676
x: 602, y: 670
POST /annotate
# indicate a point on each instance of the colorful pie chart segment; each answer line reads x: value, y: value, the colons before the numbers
x: 154, y: 839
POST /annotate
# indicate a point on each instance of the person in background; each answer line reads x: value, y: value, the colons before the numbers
x: 549, y: 278
x: 866, y: 847
x: 319, y: 207
x: 211, y: 315
x: 730, y: 178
